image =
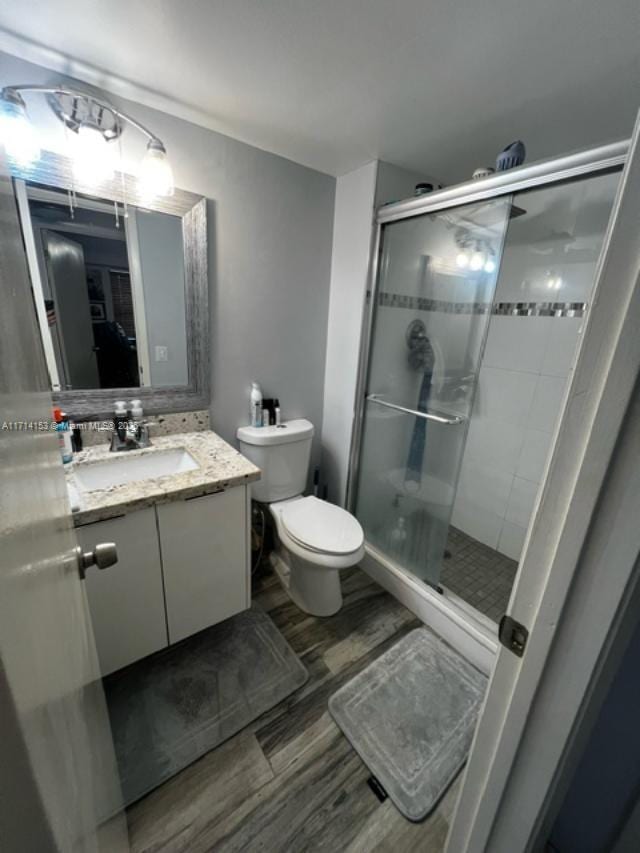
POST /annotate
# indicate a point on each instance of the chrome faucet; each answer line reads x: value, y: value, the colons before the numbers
x: 136, y: 436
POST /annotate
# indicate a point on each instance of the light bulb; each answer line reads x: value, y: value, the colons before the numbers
x: 462, y: 259
x: 490, y: 265
x: 554, y: 282
x: 156, y: 176
x: 93, y: 156
x: 16, y: 131
x: 477, y: 261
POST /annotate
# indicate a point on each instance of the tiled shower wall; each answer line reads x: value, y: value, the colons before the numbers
x: 520, y: 390
x: 550, y: 254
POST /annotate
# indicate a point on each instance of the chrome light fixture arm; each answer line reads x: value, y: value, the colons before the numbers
x: 9, y: 93
x: 95, y: 123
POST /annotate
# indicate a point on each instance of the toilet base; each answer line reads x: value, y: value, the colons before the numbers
x: 314, y: 589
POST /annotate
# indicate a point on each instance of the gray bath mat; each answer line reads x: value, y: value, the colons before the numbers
x: 169, y: 709
x: 410, y: 716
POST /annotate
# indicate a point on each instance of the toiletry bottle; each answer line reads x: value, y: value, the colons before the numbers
x: 67, y: 454
x: 265, y: 417
x: 256, y: 405
x: 120, y: 418
x: 398, y: 537
x: 277, y: 412
x: 64, y: 435
x: 136, y: 410
x: 76, y: 437
x: 57, y: 416
x: 268, y: 404
x: 137, y: 422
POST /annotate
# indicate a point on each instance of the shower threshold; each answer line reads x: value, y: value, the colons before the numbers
x: 462, y: 625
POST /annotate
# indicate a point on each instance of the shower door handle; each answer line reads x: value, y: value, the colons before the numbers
x: 437, y: 417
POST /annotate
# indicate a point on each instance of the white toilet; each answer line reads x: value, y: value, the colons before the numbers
x: 315, y: 538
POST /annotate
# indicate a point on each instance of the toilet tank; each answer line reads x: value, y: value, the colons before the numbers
x: 282, y: 453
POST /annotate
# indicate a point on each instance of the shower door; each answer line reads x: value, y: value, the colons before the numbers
x: 436, y: 279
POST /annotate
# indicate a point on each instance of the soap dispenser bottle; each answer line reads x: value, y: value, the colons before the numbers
x: 137, y: 412
x: 120, y: 419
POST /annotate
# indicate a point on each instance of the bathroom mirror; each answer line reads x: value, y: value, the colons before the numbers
x: 120, y: 289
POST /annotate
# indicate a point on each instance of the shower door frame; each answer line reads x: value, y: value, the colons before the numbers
x: 461, y: 624
x: 602, y: 158
x: 582, y: 608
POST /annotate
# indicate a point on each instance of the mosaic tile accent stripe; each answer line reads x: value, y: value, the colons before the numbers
x: 540, y: 309
x: 420, y: 303
x: 507, y: 309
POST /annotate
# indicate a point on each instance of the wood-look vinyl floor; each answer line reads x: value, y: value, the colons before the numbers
x: 291, y: 781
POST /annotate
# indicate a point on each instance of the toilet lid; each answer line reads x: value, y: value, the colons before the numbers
x: 322, y: 527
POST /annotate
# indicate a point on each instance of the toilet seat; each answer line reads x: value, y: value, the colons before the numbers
x: 322, y: 527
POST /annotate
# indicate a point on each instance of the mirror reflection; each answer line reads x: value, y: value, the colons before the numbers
x: 109, y: 287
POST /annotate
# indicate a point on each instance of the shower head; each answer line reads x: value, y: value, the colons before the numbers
x: 421, y: 355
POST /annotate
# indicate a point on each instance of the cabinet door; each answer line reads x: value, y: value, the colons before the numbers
x: 126, y: 600
x: 205, y: 551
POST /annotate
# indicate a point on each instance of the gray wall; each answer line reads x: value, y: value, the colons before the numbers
x: 355, y: 193
x: 394, y: 183
x: 270, y: 234
x: 358, y: 193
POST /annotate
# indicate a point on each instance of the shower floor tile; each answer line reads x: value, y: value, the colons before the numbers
x: 477, y: 573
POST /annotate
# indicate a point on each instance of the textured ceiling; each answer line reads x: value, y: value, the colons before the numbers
x: 437, y: 86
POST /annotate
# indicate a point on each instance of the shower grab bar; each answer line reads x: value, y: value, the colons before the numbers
x: 449, y: 420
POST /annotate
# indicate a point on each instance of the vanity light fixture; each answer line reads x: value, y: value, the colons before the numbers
x: 477, y: 260
x: 554, y: 282
x: 462, y: 259
x: 156, y: 177
x: 16, y: 131
x: 490, y: 263
x: 95, y: 125
x: 475, y: 255
x: 93, y: 155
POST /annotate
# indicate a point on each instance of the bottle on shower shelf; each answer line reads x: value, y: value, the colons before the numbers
x: 398, y: 537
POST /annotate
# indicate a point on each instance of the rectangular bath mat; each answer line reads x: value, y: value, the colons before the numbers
x: 170, y: 708
x: 410, y: 715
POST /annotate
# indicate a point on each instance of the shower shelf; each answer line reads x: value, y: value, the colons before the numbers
x: 438, y: 417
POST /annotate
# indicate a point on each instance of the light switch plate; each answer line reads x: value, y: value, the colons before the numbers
x: 162, y: 354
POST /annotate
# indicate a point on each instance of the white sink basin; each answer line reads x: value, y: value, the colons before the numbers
x: 129, y: 469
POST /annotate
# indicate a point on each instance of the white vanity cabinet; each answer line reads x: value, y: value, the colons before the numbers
x: 182, y: 566
x: 205, y: 560
x: 126, y: 600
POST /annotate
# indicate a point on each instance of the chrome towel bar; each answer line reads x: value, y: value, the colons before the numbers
x: 439, y: 418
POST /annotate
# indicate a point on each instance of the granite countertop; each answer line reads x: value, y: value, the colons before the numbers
x: 220, y: 466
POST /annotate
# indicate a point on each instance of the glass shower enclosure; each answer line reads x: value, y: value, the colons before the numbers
x: 437, y: 267
x: 438, y: 272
